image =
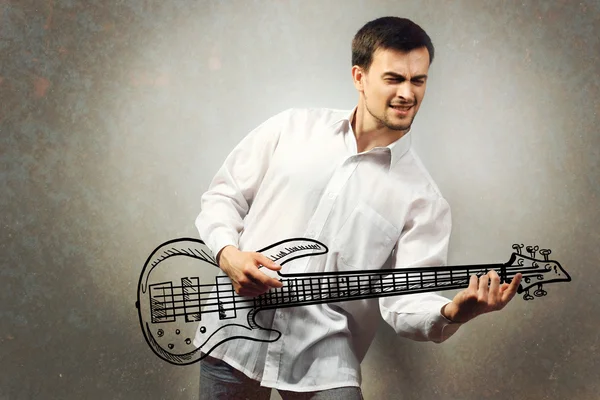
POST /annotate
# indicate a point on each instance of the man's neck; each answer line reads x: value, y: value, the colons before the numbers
x: 369, y: 133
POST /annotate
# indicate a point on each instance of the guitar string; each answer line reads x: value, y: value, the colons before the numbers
x: 306, y: 294
x: 413, y: 274
x: 249, y: 304
x: 363, y: 294
x: 380, y: 286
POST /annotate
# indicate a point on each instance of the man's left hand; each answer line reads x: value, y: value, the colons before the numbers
x: 483, y: 295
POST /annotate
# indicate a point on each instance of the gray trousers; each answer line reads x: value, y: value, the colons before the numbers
x: 220, y: 381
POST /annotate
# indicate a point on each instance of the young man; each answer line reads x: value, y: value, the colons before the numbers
x: 350, y: 180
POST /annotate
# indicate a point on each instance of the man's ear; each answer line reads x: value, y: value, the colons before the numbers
x: 358, y: 78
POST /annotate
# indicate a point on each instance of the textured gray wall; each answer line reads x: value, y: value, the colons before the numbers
x: 114, y: 116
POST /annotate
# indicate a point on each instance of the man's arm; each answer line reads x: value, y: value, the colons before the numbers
x: 422, y: 243
x: 227, y: 201
x: 430, y: 316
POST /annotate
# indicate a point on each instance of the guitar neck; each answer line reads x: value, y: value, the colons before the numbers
x: 305, y: 289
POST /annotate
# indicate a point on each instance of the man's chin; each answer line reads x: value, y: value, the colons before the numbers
x: 399, y: 127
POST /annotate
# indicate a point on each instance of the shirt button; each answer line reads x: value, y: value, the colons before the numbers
x: 331, y: 195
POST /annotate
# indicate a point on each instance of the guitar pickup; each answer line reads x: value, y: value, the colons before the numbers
x: 162, y: 304
x: 225, y: 298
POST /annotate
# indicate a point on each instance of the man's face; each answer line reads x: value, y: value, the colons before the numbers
x: 394, y: 86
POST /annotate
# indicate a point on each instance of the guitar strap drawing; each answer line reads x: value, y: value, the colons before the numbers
x: 171, y: 300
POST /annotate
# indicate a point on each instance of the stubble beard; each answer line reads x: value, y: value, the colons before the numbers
x: 385, y: 121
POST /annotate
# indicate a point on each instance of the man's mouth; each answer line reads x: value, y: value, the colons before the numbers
x: 401, y: 107
x: 401, y: 110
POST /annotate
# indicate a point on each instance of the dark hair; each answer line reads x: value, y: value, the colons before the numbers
x: 388, y: 33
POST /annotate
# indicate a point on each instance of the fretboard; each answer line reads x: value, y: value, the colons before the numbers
x: 305, y: 289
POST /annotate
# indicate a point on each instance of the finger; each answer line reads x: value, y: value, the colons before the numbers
x: 246, y: 288
x: 264, y: 261
x: 259, y: 277
x: 483, y: 286
x: 473, y: 282
x: 512, y: 288
x: 494, y: 284
x: 254, y: 283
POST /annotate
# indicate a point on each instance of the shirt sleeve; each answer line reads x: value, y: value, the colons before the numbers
x: 423, y: 242
x: 230, y: 194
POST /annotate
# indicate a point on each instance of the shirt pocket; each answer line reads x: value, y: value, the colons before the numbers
x: 365, y: 240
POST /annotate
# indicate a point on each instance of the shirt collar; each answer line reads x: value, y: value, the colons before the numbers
x: 397, y: 149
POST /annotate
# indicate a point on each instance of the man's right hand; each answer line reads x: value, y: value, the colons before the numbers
x: 242, y: 268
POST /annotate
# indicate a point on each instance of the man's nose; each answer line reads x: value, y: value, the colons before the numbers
x: 405, y: 92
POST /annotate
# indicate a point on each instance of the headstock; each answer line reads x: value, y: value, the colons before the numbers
x: 536, y: 272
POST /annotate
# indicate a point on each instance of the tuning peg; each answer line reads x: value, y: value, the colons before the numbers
x: 532, y: 250
x: 518, y: 248
x: 527, y: 296
x: 545, y: 253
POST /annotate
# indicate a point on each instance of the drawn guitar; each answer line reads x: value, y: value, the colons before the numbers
x: 171, y: 301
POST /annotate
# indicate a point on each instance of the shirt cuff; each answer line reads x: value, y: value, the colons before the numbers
x: 444, y: 326
x: 219, y: 239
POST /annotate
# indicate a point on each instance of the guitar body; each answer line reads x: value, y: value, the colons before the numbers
x: 171, y: 300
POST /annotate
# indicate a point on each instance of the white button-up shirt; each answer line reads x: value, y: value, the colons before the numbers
x: 298, y: 175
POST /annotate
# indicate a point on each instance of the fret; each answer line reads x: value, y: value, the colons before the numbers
x: 348, y: 287
x: 319, y: 289
x: 304, y: 293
